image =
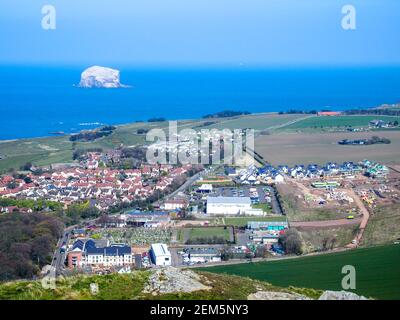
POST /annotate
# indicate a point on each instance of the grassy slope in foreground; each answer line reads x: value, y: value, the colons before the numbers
x: 378, y: 273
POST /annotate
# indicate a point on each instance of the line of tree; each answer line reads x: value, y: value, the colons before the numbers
x: 205, y: 124
x: 108, y: 128
x: 298, y: 111
x: 160, y: 119
x: 35, y: 205
x: 374, y: 111
x: 373, y: 140
x: 142, y: 131
x: 87, y: 136
x: 92, y: 135
x: 226, y: 114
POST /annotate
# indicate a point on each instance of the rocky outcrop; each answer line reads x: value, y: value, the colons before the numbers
x: 170, y: 280
x: 100, y: 77
x: 272, y: 295
x: 327, y: 295
x: 340, y: 295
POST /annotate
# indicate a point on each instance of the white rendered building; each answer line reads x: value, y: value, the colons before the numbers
x: 160, y: 255
x: 228, y: 205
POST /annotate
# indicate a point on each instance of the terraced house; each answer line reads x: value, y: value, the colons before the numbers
x: 87, y: 253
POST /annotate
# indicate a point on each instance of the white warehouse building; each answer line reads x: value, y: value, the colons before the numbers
x: 228, y: 205
x: 160, y: 255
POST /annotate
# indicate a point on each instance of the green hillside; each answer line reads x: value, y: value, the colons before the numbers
x: 131, y: 287
x: 378, y: 273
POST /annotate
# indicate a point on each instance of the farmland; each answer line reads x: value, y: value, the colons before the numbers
x: 318, y: 123
x: 59, y: 149
x: 51, y: 150
x: 320, y: 148
x: 377, y: 271
x: 257, y: 122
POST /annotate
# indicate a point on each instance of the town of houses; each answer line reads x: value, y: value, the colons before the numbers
x: 141, y: 238
x: 89, y: 181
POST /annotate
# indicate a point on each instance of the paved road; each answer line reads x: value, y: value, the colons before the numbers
x: 186, y: 185
x: 175, y: 257
x: 59, y: 256
x: 276, y: 206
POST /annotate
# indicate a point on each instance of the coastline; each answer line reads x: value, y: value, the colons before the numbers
x: 66, y: 134
x: 177, y: 94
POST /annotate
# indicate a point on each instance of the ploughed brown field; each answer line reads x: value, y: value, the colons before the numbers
x: 319, y: 148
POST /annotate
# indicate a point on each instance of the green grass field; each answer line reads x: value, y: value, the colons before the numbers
x: 383, y: 226
x: 337, y: 121
x: 256, y: 122
x: 209, y: 233
x: 265, y: 207
x: 242, y: 221
x: 377, y: 271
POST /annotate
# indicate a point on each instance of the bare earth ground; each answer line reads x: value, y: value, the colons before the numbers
x: 324, y: 224
x: 299, y: 210
x: 306, y: 148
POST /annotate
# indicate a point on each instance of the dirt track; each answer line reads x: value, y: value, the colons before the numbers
x: 324, y: 223
x: 364, y: 220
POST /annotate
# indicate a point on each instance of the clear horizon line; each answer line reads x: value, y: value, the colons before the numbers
x: 237, y: 66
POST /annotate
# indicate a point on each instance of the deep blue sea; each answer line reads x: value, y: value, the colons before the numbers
x: 35, y: 101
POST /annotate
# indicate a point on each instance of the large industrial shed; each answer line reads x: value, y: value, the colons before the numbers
x: 160, y: 255
x: 228, y: 205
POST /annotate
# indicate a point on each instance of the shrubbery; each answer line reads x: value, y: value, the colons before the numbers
x: 226, y: 114
x: 26, y: 244
x: 291, y: 242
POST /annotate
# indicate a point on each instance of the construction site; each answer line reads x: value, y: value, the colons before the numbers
x: 338, y: 210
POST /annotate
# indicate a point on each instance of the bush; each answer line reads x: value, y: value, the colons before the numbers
x: 291, y: 242
x: 226, y: 114
x: 157, y: 120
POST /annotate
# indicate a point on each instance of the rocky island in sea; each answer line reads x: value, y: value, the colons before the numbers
x: 101, y: 77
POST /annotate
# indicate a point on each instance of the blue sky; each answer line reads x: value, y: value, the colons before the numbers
x: 200, y: 32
